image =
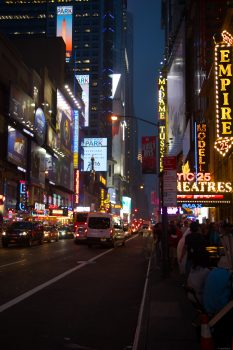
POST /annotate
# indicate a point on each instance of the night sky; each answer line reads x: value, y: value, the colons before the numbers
x: 148, y: 53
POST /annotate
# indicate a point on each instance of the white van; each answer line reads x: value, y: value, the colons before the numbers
x: 105, y: 229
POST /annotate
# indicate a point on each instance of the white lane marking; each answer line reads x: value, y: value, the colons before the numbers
x: 15, y: 262
x: 27, y: 294
x: 142, y: 306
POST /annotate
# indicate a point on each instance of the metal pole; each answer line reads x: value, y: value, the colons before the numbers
x: 164, y: 240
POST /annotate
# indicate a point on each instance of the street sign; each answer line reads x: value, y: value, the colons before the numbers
x: 169, y: 163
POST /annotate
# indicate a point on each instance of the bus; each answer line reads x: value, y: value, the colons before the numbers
x: 80, y: 219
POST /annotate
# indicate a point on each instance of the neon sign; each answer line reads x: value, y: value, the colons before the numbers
x: 162, y: 145
x: 76, y: 186
x: 162, y: 98
x: 201, y: 146
x: 76, y: 138
x: 22, y: 195
x: 201, y: 182
x: 192, y: 205
x: 224, y: 94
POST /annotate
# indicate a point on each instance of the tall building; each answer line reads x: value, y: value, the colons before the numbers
x: 195, y: 129
x: 97, y: 52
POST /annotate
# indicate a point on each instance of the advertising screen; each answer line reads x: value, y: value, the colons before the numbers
x: 65, y: 134
x: 38, y: 155
x: 64, y: 27
x: 176, y: 96
x: 95, y: 148
x: 40, y: 126
x: 51, y: 138
x: 126, y: 204
x: 63, y: 172
x: 51, y: 167
x: 76, y: 138
x: 83, y: 81
x: 17, y: 148
x: 21, y: 107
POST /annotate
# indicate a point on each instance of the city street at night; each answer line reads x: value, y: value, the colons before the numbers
x: 61, y: 296
x: 116, y: 174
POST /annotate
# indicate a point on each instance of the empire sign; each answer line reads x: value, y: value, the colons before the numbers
x: 224, y: 93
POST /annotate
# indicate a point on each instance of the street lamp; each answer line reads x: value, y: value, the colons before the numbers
x: 165, y: 267
x: 115, y: 117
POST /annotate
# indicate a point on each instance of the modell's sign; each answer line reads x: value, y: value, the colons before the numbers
x: 224, y: 93
x: 202, y: 147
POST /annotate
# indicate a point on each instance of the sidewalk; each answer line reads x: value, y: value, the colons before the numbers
x: 168, y: 314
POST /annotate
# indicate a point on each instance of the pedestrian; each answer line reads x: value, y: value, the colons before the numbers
x: 174, y: 235
x: 197, y: 277
x: 157, y: 234
x: 217, y: 293
x: 180, y: 246
x: 195, y: 243
x: 185, y: 226
x: 213, y: 235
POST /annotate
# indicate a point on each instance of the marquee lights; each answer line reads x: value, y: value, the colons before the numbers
x: 193, y: 177
x: 205, y: 186
x: 201, y: 146
x: 224, y: 93
x: 200, y: 196
x: 76, y: 186
x: 201, y: 182
x: 162, y: 145
x: 162, y: 116
x: 162, y: 98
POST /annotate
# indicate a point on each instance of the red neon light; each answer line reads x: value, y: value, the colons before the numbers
x: 200, y: 196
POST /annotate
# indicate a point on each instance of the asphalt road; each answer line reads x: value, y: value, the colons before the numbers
x: 66, y: 296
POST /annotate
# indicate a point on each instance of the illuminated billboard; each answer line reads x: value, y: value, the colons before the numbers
x: 223, y: 93
x: 95, y: 154
x: 83, y: 81
x: 64, y: 27
x: 21, y: 107
x: 40, y: 126
x: 76, y: 138
x: 115, y: 83
x: 17, y: 148
x: 38, y: 164
x: 148, y: 155
x: 176, y: 96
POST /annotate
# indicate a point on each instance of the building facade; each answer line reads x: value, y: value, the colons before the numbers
x: 196, y: 130
x: 97, y: 52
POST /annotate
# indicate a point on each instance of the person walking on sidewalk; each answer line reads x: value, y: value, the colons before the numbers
x: 195, y: 243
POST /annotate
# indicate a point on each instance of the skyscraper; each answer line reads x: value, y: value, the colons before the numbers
x: 96, y: 49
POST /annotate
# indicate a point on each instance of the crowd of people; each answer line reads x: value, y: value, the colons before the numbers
x: 207, y: 279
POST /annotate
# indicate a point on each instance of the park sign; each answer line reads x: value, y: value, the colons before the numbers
x: 224, y: 93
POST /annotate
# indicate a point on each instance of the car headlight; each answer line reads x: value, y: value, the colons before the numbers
x: 63, y: 233
x: 23, y: 233
x: 4, y: 233
x: 46, y: 234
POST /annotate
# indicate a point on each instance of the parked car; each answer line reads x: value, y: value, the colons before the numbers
x: 80, y: 234
x: 51, y: 233
x: 23, y: 232
x: 66, y: 231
